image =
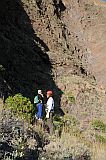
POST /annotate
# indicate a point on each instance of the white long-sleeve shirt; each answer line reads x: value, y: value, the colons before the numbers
x: 50, y: 104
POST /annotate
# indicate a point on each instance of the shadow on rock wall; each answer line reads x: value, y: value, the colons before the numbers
x: 23, y: 53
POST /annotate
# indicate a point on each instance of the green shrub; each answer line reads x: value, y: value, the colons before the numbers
x: 71, y: 98
x: 67, y: 119
x: 99, y: 125
x: 20, y: 106
x: 58, y: 122
x: 100, y: 138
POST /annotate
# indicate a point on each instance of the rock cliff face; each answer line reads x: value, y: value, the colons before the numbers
x: 72, y: 29
x: 58, y: 25
x: 41, y: 42
x: 22, y: 52
x: 96, y: 35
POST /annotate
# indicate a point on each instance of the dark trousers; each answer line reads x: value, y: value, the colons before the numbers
x: 50, y: 123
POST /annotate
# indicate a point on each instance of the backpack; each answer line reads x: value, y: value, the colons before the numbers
x: 36, y: 99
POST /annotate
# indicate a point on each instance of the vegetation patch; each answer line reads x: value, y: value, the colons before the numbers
x: 71, y: 98
x: 99, y: 125
x: 66, y: 124
x: 58, y: 122
x: 20, y: 106
x: 100, y: 138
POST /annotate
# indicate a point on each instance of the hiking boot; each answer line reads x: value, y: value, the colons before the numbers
x: 39, y: 119
x: 36, y: 116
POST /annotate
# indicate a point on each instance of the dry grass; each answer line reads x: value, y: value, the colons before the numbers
x: 98, y: 151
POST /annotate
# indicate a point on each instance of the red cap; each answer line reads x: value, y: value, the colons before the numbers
x: 49, y: 92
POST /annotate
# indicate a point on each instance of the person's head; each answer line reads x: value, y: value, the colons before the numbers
x: 39, y: 91
x: 49, y: 94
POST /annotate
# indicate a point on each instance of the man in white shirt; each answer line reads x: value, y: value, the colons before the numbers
x: 50, y: 103
x: 50, y: 110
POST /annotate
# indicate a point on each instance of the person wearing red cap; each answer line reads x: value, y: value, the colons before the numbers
x: 50, y: 110
x: 50, y: 103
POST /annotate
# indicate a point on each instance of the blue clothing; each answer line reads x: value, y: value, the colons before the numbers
x: 39, y: 110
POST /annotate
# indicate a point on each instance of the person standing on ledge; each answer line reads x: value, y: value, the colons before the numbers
x: 50, y: 110
x: 38, y: 101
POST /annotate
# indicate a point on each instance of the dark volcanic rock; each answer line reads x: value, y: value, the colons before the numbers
x: 22, y: 52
